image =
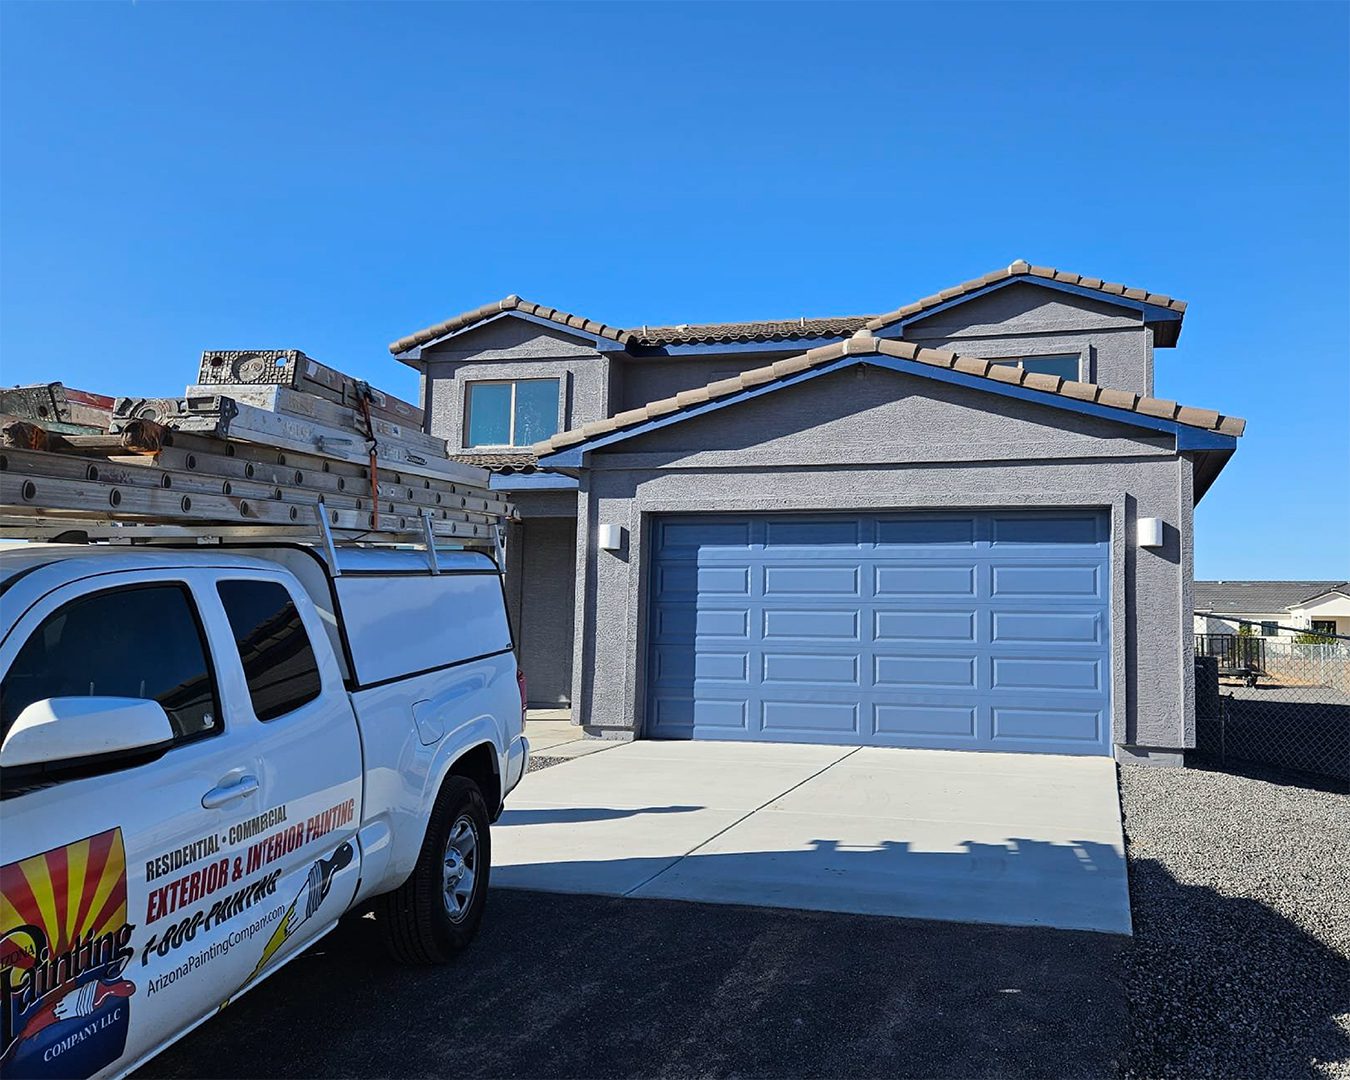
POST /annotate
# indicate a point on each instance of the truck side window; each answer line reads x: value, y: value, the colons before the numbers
x: 278, y: 658
x: 141, y: 642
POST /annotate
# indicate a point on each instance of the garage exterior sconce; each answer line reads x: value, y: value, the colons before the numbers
x: 1150, y: 532
x: 610, y: 537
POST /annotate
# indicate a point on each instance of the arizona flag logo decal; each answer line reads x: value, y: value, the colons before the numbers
x: 64, y: 944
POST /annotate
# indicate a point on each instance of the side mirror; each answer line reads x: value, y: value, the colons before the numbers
x: 68, y: 728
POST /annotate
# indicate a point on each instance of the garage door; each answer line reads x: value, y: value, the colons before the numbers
x: 979, y: 631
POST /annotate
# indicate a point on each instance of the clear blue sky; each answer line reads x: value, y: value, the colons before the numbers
x: 332, y: 176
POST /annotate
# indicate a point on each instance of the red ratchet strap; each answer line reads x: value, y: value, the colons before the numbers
x: 364, y: 398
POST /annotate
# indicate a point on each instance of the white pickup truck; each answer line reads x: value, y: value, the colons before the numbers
x: 208, y: 755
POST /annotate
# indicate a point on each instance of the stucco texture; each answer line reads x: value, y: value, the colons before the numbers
x: 512, y: 348
x: 1115, y: 348
x: 868, y: 438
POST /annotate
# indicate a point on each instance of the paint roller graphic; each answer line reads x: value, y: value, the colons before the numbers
x: 306, y: 903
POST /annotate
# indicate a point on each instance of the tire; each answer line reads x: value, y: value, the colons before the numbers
x: 433, y: 915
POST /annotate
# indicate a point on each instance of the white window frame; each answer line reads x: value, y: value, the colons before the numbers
x: 511, y: 418
x: 1002, y: 351
x: 1019, y: 360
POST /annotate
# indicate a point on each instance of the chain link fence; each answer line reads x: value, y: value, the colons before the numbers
x: 1282, y: 701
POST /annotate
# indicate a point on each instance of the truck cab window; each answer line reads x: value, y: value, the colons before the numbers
x: 276, y: 652
x: 141, y: 642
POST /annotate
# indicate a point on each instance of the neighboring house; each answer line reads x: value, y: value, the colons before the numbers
x: 910, y: 529
x: 1273, y: 609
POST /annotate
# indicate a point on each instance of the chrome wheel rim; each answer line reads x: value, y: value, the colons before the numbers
x: 459, y: 868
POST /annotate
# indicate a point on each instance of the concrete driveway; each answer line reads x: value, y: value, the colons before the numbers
x: 1013, y: 839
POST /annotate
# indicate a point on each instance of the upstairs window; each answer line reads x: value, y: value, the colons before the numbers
x: 517, y: 413
x: 1065, y: 365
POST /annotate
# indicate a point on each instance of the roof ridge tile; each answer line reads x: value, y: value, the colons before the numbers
x: 507, y: 303
x: 1021, y: 268
x: 1159, y: 407
x: 775, y: 329
x: 972, y: 365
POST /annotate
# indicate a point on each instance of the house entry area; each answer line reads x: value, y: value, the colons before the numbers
x: 985, y: 630
x: 545, y: 624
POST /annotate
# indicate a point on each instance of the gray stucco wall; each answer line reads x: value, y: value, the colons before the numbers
x: 512, y: 348
x: 653, y: 379
x: 1114, y: 346
x: 532, y: 504
x: 868, y: 438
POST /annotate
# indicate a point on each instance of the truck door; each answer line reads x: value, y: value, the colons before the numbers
x: 142, y: 890
x: 309, y: 763
x: 125, y: 907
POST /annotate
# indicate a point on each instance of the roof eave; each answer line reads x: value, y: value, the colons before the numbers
x: 612, y: 336
x: 1188, y: 437
x: 1208, y: 465
x: 1320, y: 596
x: 599, y: 341
x: 1166, y: 321
x: 535, y: 481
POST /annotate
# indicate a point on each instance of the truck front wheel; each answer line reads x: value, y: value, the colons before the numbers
x: 436, y: 912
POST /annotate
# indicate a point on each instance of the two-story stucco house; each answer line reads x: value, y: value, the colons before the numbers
x: 964, y: 523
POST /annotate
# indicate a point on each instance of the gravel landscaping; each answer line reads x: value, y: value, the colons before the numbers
x: 1240, y: 964
x: 537, y: 762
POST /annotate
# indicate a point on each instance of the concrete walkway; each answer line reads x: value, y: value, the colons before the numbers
x: 1015, y: 839
x: 553, y: 735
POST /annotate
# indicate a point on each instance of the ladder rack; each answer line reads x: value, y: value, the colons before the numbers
x: 283, y: 464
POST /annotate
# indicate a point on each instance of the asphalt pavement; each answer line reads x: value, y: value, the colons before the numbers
x: 563, y: 986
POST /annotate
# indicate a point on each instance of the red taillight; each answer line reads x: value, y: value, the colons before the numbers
x: 520, y: 682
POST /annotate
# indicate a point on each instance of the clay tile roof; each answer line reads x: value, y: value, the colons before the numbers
x: 1022, y: 269
x: 770, y: 330
x: 654, y: 336
x: 775, y: 329
x: 862, y: 344
x: 519, y: 460
x: 509, y: 303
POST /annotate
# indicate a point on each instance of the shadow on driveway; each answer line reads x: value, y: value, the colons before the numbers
x: 564, y: 985
x: 849, y: 865
x: 571, y: 815
x: 560, y: 986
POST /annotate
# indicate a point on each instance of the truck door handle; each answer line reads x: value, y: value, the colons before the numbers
x: 227, y: 793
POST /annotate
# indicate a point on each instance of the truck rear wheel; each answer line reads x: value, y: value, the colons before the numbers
x: 436, y: 912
